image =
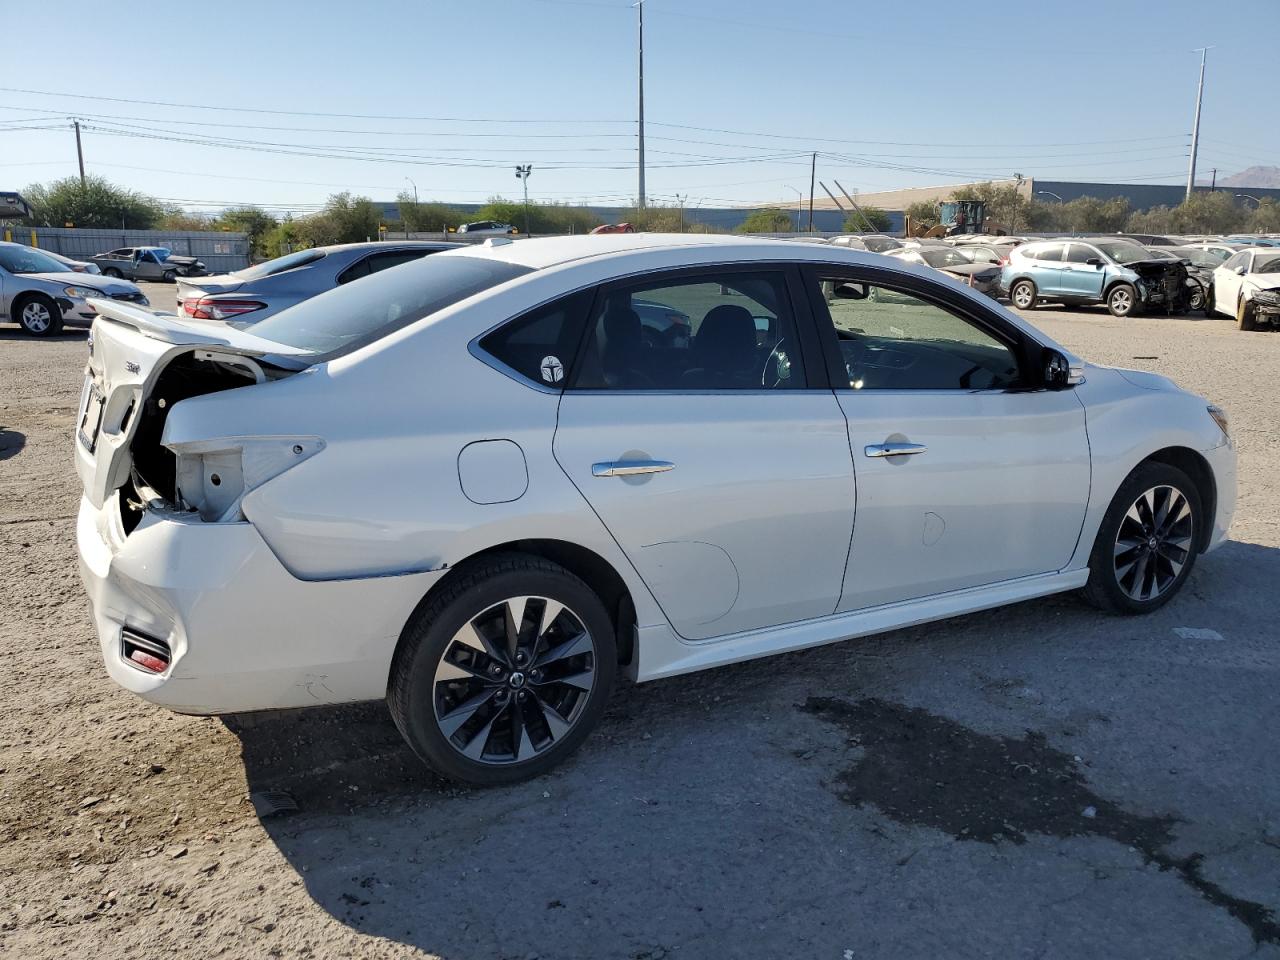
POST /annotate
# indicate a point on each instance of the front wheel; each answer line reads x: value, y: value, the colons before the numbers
x: 169, y: 276
x: 113, y: 273
x: 1246, y: 315
x: 1023, y: 295
x: 504, y: 673
x: 1197, y: 299
x: 1122, y: 300
x: 1146, y: 544
x: 39, y: 317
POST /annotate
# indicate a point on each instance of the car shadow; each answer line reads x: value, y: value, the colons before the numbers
x: 11, y: 442
x: 705, y: 814
x: 12, y: 331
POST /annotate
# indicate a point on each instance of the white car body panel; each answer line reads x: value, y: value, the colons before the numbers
x: 303, y: 600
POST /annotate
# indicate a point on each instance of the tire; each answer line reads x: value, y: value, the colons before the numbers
x: 38, y: 316
x: 1209, y: 312
x: 113, y: 273
x: 169, y: 276
x: 1023, y: 295
x: 1122, y: 300
x: 1246, y: 315
x: 1198, y: 301
x: 1118, y: 578
x: 463, y: 702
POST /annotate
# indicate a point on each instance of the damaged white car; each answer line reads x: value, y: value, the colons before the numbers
x: 478, y: 486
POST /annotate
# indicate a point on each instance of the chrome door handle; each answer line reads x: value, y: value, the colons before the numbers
x: 894, y: 449
x: 630, y: 468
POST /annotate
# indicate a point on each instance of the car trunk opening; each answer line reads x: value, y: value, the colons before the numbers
x: 140, y: 366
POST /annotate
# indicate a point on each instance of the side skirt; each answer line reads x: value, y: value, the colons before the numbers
x: 663, y: 654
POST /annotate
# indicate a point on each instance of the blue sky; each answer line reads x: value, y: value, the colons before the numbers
x: 454, y: 94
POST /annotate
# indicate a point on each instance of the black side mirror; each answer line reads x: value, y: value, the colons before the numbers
x: 1057, y: 370
x: 851, y: 291
x: 1094, y: 262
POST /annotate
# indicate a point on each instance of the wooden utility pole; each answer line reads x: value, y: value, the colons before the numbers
x: 79, y: 153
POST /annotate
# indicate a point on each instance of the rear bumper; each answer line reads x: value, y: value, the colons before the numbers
x: 245, y: 634
x: 1222, y: 460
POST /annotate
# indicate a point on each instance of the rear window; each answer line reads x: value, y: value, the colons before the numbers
x: 280, y: 264
x: 358, y: 313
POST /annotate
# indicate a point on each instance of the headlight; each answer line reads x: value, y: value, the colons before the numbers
x: 1220, y: 418
x: 79, y: 293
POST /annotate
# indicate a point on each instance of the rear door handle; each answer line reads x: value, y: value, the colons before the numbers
x: 630, y: 468
x: 894, y: 449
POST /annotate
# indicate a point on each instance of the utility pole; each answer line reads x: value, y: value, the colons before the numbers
x: 1195, y: 129
x: 1213, y: 185
x: 522, y: 173
x: 640, y: 7
x: 681, y: 201
x: 79, y: 153
x: 813, y: 173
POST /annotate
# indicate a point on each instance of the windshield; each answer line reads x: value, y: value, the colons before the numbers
x: 19, y: 259
x: 280, y: 264
x: 1121, y: 251
x: 365, y: 310
x: 945, y: 258
x: 1266, y: 264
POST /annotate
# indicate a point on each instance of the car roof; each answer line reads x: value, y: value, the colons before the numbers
x: 390, y: 244
x: 545, y: 252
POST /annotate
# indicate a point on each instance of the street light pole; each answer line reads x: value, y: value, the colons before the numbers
x: 1248, y: 196
x: 523, y: 172
x: 415, y: 189
x: 1195, y: 129
x: 639, y: 5
x: 1046, y: 193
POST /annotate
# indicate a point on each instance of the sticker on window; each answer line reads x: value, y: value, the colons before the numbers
x: 552, y: 369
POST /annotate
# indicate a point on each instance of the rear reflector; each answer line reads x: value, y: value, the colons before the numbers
x: 144, y: 653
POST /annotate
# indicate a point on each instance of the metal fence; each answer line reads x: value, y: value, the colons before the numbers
x: 221, y: 252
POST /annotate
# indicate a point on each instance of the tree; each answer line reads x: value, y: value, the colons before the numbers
x: 428, y: 216
x: 767, y: 220
x: 1006, y: 205
x: 95, y: 203
x: 543, y: 217
x: 1266, y: 219
x: 1204, y: 211
x: 255, y: 222
x: 344, y: 219
x: 871, y: 218
x: 175, y: 218
x: 1082, y: 215
x: 922, y: 213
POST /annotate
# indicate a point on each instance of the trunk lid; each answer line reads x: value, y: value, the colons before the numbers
x: 129, y: 348
x: 197, y: 287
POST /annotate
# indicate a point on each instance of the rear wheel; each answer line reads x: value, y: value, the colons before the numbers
x: 1146, y: 544
x: 169, y: 276
x: 38, y: 316
x: 113, y: 273
x: 1023, y: 295
x: 503, y: 673
x: 1122, y: 300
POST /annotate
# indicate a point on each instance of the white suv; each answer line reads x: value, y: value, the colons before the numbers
x: 472, y: 485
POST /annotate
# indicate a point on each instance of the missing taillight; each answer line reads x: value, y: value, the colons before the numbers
x: 144, y: 653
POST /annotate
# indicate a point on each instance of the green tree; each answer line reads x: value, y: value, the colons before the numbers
x: 1091, y: 215
x: 427, y: 216
x: 922, y: 213
x: 1006, y: 206
x: 1204, y: 211
x: 767, y: 220
x: 284, y: 237
x: 344, y: 219
x: 1265, y: 219
x: 95, y: 203
x: 544, y: 218
x: 175, y: 218
x: 254, y: 221
x: 872, y: 218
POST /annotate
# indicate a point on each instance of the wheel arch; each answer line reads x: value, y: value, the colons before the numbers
x: 587, y: 565
x: 1195, y: 466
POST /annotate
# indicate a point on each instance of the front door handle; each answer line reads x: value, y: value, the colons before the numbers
x: 894, y: 449
x: 630, y: 468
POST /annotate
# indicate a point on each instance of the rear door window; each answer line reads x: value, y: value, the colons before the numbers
x: 1049, y: 253
x: 1080, y: 253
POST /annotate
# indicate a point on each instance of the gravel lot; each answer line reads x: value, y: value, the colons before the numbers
x: 1036, y: 781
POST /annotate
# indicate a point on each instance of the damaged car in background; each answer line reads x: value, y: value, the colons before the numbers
x: 955, y: 263
x: 1120, y: 274
x: 1247, y: 287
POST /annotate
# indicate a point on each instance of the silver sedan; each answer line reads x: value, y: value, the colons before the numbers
x: 250, y: 295
x: 41, y: 293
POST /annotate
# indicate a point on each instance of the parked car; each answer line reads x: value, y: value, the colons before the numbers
x: 1199, y: 265
x: 1118, y: 273
x: 874, y: 242
x: 40, y: 293
x: 982, y: 276
x: 251, y: 295
x: 148, y: 263
x: 614, y: 228
x: 467, y: 484
x: 487, y: 228
x: 1220, y: 249
x: 1247, y: 287
x: 1256, y: 241
x: 75, y: 266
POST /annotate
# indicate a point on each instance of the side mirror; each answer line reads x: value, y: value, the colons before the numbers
x: 1094, y: 262
x: 1058, y: 374
x: 851, y: 291
x: 1238, y: 271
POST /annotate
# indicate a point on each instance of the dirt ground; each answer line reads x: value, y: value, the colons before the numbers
x: 1038, y: 781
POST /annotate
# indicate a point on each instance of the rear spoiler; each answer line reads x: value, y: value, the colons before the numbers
x: 197, y: 333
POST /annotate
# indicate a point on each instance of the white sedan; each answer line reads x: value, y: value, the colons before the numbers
x: 471, y: 485
x: 1247, y: 287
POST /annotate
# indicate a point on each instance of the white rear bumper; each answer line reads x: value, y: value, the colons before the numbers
x: 245, y: 634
